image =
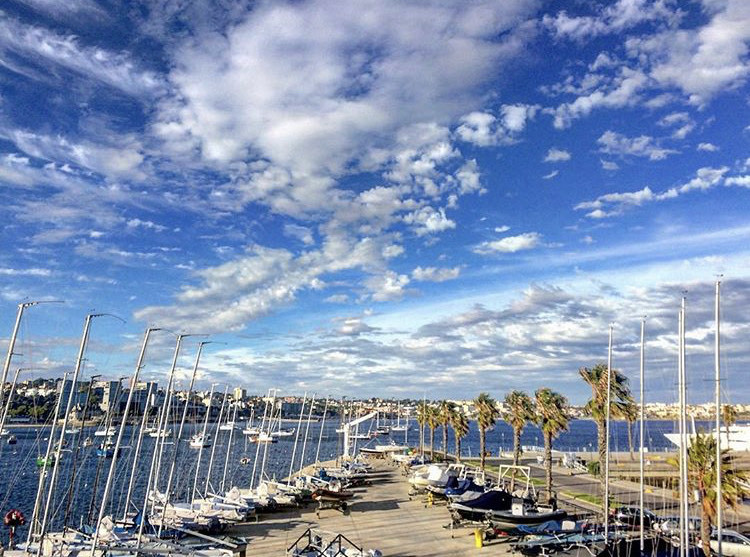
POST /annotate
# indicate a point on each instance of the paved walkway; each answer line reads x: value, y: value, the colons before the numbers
x: 381, y: 517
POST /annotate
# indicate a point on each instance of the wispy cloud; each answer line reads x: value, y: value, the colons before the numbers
x: 435, y: 274
x: 44, y: 47
x: 646, y: 146
x: 613, y: 204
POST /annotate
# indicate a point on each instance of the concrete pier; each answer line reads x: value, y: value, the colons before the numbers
x: 381, y: 516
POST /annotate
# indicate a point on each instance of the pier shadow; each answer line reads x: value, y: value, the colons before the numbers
x: 364, y: 506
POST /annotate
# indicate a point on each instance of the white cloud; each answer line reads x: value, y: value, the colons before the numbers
x: 387, y: 287
x: 301, y: 233
x: 621, y: 90
x: 742, y: 181
x: 702, y: 61
x: 30, y: 272
x: 614, y: 143
x: 501, y: 229
x: 138, y: 223
x: 115, y: 157
x: 429, y: 221
x: 609, y: 165
x: 510, y: 244
x: 681, y: 123
x: 41, y: 45
x: 485, y: 129
x: 337, y: 299
x: 614, y: 18
x: 613, y: 204
x: 435, y: 274
x: 699, y: 61
x: 337, y: 84
x: 557, y: 155
x: 550, y: 175
x: 709, y: 147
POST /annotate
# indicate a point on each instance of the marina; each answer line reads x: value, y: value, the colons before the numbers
x: 313, y: 278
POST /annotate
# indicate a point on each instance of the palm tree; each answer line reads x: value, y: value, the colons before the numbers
x: 520, y: 412
x: 729, y: 416
x: 421, y: 420
x: 630, y: 414
x: 701, y: 456
x: 552, y: 419
x: 432, y: 422
x: 445, y: 410
x: 460, y: 426
x: 487, y: 414
x: 620, y: 398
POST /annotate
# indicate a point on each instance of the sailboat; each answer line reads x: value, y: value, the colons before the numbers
x: 200, y: 441
x: 398, y: 426
x: 106, y: 432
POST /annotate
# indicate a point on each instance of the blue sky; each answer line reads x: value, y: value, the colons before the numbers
x: 378, y: 198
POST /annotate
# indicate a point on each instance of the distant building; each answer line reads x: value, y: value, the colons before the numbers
x: 113, y: 398
x: 239, y: 393
x: 63, y: 389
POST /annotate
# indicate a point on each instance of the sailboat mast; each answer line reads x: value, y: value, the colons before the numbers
x: 160, y: 436
x: 684, y: 538
x: 178, y: 439
x: 229, y: 446
x: 606, y: 435
x: 6, y: 409
x: 296, y: 438
x: 43, y: 473
x: 643, y: 417
x: 216, y: 440
x: 12, y: 342
x: 258, y: 442
x: 136, y: 455
x: 307, y: 431
x: 717, y: 396
x: 203, y: 439
x: 118, y: 443
x: 66, y: 417
x: 320, y: 435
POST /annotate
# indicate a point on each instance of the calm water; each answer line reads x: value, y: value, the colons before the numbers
x: 19, y: 474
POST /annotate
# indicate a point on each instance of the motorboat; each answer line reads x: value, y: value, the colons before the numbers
x: 42, y: 462
x: 153, y: 432
x: 466, y: 489
x: 199, y: 441
x: 422, y: 475
x: 106, y: 432
x: 482, y: 507
x: 448, y: 478
x: 106, y: 450
x: 283, y: 433
x: 525, y: 512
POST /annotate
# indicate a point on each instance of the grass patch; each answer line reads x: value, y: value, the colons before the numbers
x: 594, y: 499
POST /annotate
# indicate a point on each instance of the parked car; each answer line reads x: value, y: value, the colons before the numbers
x: 670, y: 525
x: 630, y: 517
x: 733, y: 544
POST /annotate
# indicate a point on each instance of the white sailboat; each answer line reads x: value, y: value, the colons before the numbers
x: 398, y: 426
x: 200, y: 441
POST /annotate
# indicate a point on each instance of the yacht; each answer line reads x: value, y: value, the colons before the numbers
x: 735, y: 437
